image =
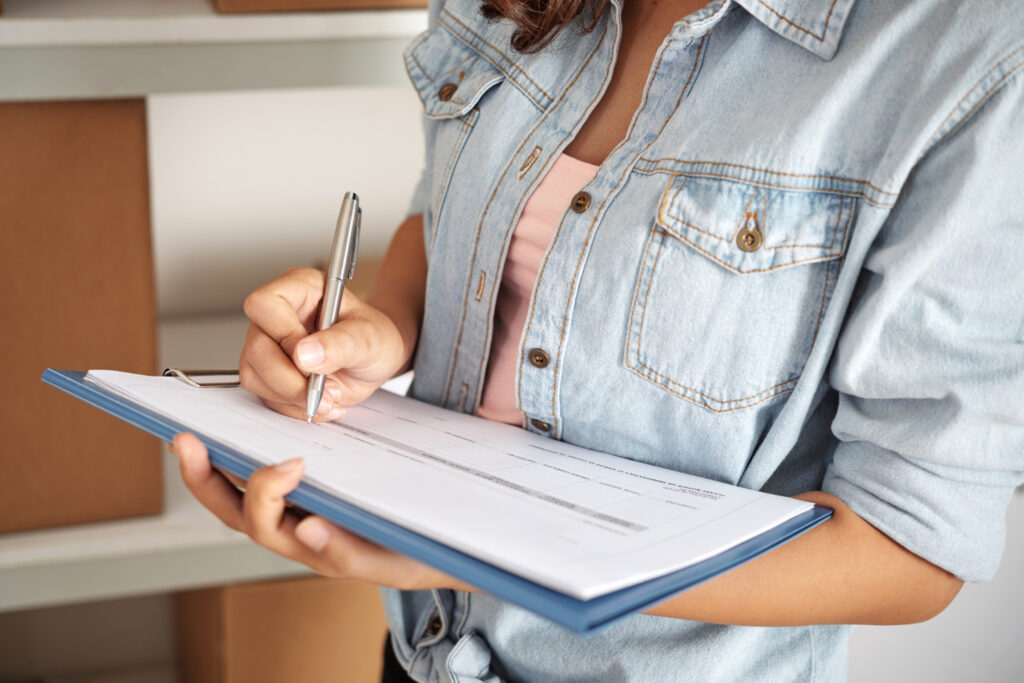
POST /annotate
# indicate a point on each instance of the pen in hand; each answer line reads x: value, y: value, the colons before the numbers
x: 342, y: 267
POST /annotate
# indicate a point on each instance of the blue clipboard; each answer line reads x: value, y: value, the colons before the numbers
x: 582, y: 616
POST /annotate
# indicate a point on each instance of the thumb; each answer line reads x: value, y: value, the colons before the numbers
x: 348, y: 344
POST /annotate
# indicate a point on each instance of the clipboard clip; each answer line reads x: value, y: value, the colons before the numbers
x: 189, y: 375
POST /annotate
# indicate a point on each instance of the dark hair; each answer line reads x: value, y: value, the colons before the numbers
x: 539, y: 21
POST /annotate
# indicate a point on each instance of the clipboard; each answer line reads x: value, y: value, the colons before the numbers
x: 582, y: 616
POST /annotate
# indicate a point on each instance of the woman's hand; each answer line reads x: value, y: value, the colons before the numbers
x: 261, y: 513
x: 357, y: 354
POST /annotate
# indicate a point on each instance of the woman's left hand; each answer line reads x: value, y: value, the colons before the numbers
x: 261, y: 513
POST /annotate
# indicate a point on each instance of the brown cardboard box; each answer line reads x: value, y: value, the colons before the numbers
x: 76, y: 276
x: 311, y: 630
x: 234, y: 6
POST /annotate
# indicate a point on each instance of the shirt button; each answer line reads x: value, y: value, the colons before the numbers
x: 541, y: 425
x: 749, y: 240
x: 539, y: 358
x: 446, y: 92
x: 580, y: 202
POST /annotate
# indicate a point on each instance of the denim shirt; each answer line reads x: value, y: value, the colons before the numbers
x: 803, y: 268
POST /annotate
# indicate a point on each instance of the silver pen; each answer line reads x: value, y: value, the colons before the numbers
x: 342, y: 267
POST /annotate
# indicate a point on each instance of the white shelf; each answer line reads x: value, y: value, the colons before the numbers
x: 185, y: 547
x: 72, y: 49
x: 38, y: 23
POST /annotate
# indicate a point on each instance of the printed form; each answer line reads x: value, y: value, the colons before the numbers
x: 578, y: 521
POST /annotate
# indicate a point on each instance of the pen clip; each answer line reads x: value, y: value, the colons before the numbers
x: 346, y: 239
x: 353, y: 242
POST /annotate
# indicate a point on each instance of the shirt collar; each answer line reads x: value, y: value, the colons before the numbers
x: 816, y: 25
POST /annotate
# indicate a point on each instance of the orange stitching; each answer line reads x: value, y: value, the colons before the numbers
x: 695, y: 162
x: 500, y: 52
x: 468, y: 122
x: 704, y: 404
x: 748, y: 214
x: 981, y: 101
x: 490, y: 200
x: 647, y: 294
x: 530, y: 161
x: 669, y: 380
x: 832, y: 241
x: 665, y: 202
x: 971, y: 89
x: 457, y: 65
x: 636, y: 291
x: 625, y: 171
x: 554, y: 238
x: 412, y: 54
x: 480, y: 285
x: 820, y: 38
x: 442, y: 75
x: 862, y: 195
x: 813, y: 259
x: 522, y: 199
x: 675, y: 233
x: 639, y: 336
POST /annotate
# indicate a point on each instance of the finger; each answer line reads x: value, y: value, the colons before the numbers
x: 285, y: 308
x: 205, y: 483
x: 267, y: 371
x: 351, y: 345
x: 339, y: 552
x: 329, y: 410
x: 254, y: 367
x: 264, y: 509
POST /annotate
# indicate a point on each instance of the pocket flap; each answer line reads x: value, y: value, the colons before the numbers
x: 751, y: 228
x: 449, y: 76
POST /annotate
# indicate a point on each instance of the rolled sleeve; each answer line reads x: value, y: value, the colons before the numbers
x: 930, y: 364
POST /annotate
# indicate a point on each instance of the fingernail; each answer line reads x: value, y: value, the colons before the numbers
x: 289, y: 465
x: 311, y: 353
x: 324, y: 408
x: 313, y: 535
x: 337, y: 412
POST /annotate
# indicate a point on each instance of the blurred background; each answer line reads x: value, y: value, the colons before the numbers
x: 224, y: 142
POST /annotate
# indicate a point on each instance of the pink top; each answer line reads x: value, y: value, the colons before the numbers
x: 530, y: 241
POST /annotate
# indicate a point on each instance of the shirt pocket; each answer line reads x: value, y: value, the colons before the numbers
x: 451, y: 80
x: 733, y: 284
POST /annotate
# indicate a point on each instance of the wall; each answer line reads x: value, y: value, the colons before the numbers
x: 248, y: 184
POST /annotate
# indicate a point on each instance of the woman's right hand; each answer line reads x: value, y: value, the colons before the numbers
x: 357, y: 354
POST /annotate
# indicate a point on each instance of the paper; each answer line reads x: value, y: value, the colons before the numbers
x: 577, y: 521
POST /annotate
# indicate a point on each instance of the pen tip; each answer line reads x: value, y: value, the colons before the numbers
x: 309, y: 420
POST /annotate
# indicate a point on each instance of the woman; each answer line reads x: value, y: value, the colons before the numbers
x: 772, y: 243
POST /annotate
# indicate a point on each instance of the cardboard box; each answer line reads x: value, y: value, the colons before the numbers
x: 76, y: 276
x: 310, y: 629
x: 236, y: 6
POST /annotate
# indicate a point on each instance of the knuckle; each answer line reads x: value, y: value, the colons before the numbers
x: 253, y: 303
x: 340, y: 567
x: 246, y: 373
x: 258, y: 533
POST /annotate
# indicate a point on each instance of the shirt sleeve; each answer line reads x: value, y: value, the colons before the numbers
x: 930, y: 364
